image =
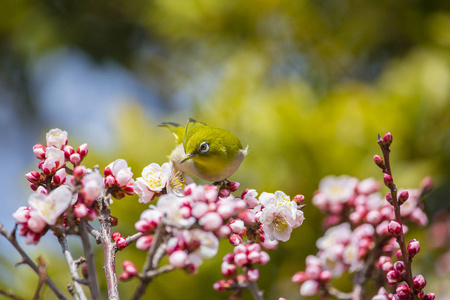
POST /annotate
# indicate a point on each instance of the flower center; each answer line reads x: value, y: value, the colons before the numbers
x: 152, y: 179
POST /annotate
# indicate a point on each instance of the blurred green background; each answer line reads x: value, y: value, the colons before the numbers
x: 306, y: 84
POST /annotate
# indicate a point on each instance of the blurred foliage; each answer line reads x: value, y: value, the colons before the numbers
x: 307, y: 85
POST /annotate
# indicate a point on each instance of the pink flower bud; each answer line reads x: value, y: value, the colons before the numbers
x: 32, y: 238
x: 110, y: 181
x: 36, y: 223
x: 68, y: 151
x: 124, y: 276
x: 233, y: 186
x: 313, y: 271
x: 299, y: 199
x: 419, y: 282
x: 22, y: 214
x: 42, y: 190
x: 39, y: 151
x: 34, y: 186
x: 394, y: 228
x: 130, y: 268
x: 49, y: 166
x: 413, y: 248
x: 393, y: 277
x: 237, y: 226
x: 33, y: 176
x: 115, y: 236
x: 403, y: 292
x: 80, y: 210
x: 144, y: 242
x: 388, y: 181
x: 404, y: 195
x: 228, y: 270
x: 309, y: 288
x: 247, y: 216
x: 325, y: 276
x: 389, y: 198
x: 240, y: 259
x: 399, y: 266
x: 60, y: 176
x: 253, y: 274
x: 426, y: 185
x: 83, y: 150
x: 84, y: 271
x: 235, y: 239
x: 92, y: 214
x: 373, y: 217
x: 299, y: 277
x: 387, y: 139
x: 75, y: 159
x: 253, y: 257
x: 178, y: 259
x: 211, y: 221
x: 263, y: 258
x: 378, y: 161
x: 79, y: 171
x: 121, y: 243
x: 429, y: 296
x: 223, y: 231
x: 224, y: 193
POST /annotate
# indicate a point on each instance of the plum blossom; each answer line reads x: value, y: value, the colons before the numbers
x: 154, y: 179
x: 51, y: 206
x: 279, y: 216
x: 120, y: 171
x: 336, y: 190
x: 92, y: 186
x: 56, y: 138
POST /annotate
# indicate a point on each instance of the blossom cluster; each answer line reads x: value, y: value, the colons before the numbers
x: 63, y: 196
x: 358, y: 222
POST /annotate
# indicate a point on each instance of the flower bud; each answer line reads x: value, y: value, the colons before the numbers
x: 235, y: 239
x: 309, y: 288
x: 419, y: 282
x: 114, y: 221
x: 399, y: 266
x: 130, y: 268
x: 388, y: 181
x: 39, y: 151
x: 144, y: 242
x: 75, y: 159
x: 60, y: 176
x: 81, y: 210
x: 240, y: 259
x: 404, y: 195
x: 426, y: 185
x: 413, y: 248
x: 233, y: 186
x: 83, y: 150
x: 378, y: 161
x: 79, y: 172
x: 124, y: 276
x: 33, y: 176
x: 299, y: 199
x: 394, y: 228
x: 178, y: 259
x: 325, y: 276
x: 237, y: 226
x: 34, y: 186
x: 115, y: 235
x: 263, y: 258
x: 110, y: 181
x: 393, y: 277
x: 84, y: 271
x: 121, y: 243
x: 429, y: 296
x: 228, y: 270
x: 253, y: 274
x: 403, y: 292
x: 224, y: 193
x: 387, y: 139
x: 299, y: 277
x: 68, y: 151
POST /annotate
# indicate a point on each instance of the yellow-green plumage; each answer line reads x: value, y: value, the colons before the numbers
x: 209, y: 153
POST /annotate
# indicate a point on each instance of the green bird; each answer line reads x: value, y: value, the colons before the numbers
x: 209, y: 153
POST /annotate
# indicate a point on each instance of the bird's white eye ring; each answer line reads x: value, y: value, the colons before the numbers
x: 204, y: 147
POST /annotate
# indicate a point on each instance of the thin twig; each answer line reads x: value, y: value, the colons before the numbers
x: 72, y: 267
x: 11, y: 237
x: 254, y: 289
x: 92, y: 274
x: 162, y: 270
x: 108, y: 248
x: 10, y: 295
x: 95, y: 233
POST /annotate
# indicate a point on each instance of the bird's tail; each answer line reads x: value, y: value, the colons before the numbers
x: 176, y: 129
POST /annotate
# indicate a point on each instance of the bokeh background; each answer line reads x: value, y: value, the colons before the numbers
x: 306, y: 84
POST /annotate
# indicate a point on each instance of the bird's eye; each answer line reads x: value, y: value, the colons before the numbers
x: 204, y: 147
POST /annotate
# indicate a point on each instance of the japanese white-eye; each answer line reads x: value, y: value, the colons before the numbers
x: 209, y: 153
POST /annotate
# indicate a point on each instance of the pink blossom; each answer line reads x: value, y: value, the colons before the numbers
x: 22, y: 214
x: 249, y: 196
x: 39, y: 151
x: 338, y: 189
x: 237, y: 226
x: 32, y: 238
x: 228, y: 270
x: 240, y: 259
x: 56, y: 156
x: 35, y: 223
x: 309, y: 288
x: 80, y: 210
x: 92, y: 186
x: 144, y: 242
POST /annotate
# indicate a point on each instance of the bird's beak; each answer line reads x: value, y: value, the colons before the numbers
x: 186, y: 157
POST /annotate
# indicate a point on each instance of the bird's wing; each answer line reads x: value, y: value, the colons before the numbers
x: 192, y: 127
x: 176, y: 129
